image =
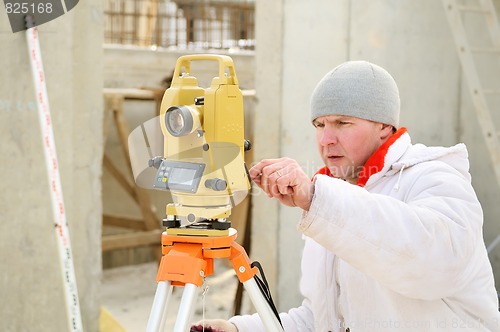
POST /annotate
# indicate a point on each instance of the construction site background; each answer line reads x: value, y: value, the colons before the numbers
x: 292, y: 46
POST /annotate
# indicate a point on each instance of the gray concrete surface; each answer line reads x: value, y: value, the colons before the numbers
x: 30, y: 277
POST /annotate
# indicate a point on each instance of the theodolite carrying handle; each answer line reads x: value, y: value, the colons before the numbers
x: 225, y: 62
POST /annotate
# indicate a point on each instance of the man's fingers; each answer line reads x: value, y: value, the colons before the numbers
x: 255, y: 172
x: 256, y: 169
x: 283, y: 185
x: 284, y: 180
x: 259, y: 173
x: 268, y: 176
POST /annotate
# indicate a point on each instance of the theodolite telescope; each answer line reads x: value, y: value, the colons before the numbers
x: 202, y: 161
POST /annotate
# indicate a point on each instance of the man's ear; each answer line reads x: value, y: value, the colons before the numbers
x: 386, y: 131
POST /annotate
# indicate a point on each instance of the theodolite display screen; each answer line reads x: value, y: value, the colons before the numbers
x: 179, y: 175
x: 184, y: 176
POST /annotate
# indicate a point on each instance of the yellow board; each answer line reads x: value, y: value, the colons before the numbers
x: 107, y: 323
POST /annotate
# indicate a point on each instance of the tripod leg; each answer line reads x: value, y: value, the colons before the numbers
x: 157, y: 316
x: 186, y: 308
x: 263, y: 308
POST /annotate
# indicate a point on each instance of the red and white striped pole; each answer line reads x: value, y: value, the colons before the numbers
x: 59, y: 212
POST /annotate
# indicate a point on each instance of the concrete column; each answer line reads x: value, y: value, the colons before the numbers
x: 315, y: 41
x: 31, y: 283
x: 483, y: 177
x: 268, y: 106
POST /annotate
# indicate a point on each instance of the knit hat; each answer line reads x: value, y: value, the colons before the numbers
x: 360, y: 89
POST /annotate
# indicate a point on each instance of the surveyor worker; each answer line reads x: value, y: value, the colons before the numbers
x: 393, y: 230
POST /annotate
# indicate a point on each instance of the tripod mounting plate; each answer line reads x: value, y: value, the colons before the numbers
x: 198, y: 232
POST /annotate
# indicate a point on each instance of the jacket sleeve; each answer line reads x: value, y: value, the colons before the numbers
x: 419, y: 244
x: 296, y: 320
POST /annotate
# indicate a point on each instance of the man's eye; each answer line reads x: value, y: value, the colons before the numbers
x: 319, y: 125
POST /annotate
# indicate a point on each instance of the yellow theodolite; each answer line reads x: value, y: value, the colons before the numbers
x: 203, y: 164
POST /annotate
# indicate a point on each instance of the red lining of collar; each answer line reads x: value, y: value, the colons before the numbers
x: 374, y: 164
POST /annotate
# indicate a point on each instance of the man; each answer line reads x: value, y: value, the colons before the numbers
x: 393, y: 230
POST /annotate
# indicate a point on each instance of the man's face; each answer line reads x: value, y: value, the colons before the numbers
x: 345, y: 143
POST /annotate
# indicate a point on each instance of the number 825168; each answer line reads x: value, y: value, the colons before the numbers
x: 28, y: 8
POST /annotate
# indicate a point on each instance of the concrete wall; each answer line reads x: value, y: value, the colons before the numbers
x: 133, y: 67
x: 31, y: 282
x: 298, y: 43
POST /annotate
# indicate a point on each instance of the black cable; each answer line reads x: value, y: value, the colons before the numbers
x: 248, y: 174
x: 264, y: 289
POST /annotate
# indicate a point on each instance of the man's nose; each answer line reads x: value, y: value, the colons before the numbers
x: 327, y: 137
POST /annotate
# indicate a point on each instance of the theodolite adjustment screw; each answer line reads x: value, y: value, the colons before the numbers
x: 155, y: 162
x: 247, y: 145
x: 216, y: 184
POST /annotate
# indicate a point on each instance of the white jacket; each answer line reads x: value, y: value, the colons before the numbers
x: 404, y: 253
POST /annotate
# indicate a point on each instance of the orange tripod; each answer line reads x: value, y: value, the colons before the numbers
x: 186, y: 260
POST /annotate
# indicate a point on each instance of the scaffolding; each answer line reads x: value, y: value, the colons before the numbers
x: 181, y: 24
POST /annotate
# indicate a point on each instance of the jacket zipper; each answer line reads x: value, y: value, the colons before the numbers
x: 336, y: 286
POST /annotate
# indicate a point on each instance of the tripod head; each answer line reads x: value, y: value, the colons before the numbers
x: 202, y: 156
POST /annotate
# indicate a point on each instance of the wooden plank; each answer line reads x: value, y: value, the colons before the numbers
x: 118, y: 221
x: 150, y: 219
x: 472, y: 9
x: 132, y: 240
x: 124, y: 183
x: 130, y: 93
x: 138, y: 238
x: 476, y: 88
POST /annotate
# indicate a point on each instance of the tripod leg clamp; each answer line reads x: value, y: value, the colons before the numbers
x: 241, y: 263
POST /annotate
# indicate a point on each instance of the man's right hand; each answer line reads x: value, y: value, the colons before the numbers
x: 284, y: 180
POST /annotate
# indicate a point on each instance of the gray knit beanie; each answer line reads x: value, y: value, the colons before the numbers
x: 360, y: 89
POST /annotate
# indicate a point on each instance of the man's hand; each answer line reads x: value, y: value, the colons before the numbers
x: 284, y: 180
x: 213, y: 325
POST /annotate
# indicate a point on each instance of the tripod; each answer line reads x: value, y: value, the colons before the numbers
x: 187, y: 259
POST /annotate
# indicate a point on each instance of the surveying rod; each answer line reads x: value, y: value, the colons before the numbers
x: 52, y: 165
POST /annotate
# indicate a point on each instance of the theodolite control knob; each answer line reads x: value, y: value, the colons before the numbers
x: 216, y: 184
x: 155, y: 162
x: 247, y: 145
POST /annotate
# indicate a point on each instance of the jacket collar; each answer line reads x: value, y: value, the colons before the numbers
x: 381, y: 160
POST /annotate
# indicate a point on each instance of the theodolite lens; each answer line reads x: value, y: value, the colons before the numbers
x: 179, y: 121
